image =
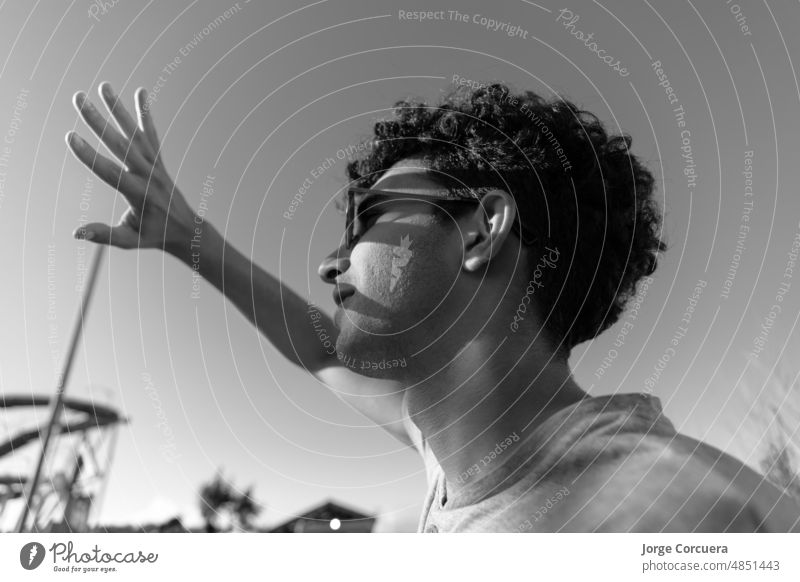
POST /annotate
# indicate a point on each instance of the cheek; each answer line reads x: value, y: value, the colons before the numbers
x: 424, y: 281
x: 410, y: 277
x: 399, y: 287
x: 377, y: 272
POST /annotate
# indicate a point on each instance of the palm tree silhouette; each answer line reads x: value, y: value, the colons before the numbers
x: 220, y: 502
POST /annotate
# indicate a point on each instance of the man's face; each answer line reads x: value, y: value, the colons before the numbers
x: 396, y: 282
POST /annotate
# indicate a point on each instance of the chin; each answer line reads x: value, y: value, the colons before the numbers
x: 362, y: 347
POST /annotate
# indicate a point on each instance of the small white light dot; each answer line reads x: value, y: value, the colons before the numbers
x: 335, y: 524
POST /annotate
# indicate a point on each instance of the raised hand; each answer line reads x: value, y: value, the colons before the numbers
x: 158, y: 215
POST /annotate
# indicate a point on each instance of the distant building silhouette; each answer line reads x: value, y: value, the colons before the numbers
x: 329, y: 517
x: 172, y: 525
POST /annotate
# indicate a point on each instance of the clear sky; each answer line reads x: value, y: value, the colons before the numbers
x: 258, y: 97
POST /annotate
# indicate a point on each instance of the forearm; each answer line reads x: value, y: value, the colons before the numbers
x: 280, y: 314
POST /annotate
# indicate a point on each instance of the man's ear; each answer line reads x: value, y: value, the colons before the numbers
x: 487, y: 228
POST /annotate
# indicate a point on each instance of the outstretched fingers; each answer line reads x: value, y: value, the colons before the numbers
x: 117, y: 144
x: 127, y: 123
x: 126, y: 183
x: 146, y: 124
x: 117, y: 110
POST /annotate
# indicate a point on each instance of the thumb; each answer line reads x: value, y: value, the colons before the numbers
x: 122, y: 236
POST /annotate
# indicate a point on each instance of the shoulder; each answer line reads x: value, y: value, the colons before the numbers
x: 679, y: 484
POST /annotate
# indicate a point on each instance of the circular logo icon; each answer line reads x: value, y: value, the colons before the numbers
x: 31, y: 555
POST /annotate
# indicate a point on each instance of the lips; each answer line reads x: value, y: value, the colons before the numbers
x: 342, y: 292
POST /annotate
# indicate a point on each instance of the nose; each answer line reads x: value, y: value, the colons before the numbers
x: 334, y: 265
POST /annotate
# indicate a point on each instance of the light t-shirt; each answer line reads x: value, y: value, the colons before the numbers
x: 607, y: 463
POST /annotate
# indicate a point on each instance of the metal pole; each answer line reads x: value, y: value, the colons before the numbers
x: 57, y: 400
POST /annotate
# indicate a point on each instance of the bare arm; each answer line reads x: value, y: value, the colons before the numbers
x: 284, y: 318
x: 158, y: 216
x: 275, y: 309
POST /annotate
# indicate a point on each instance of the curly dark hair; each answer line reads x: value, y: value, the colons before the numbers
x: 579, y: 188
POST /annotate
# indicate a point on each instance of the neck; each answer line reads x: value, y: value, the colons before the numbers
x: 494, y: 392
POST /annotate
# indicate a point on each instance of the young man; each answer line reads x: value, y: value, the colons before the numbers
x: 485, y: 237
